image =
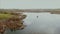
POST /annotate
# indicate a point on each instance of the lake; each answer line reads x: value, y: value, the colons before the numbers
x: 40, y: 23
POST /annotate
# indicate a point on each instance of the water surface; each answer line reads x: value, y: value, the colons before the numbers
x: 46, y: 23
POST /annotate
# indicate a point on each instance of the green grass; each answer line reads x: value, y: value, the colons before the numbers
x: 5, y: 16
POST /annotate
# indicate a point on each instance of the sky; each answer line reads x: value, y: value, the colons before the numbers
x: 29, y: 4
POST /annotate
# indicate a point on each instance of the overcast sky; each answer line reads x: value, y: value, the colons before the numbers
x: 29, y: 4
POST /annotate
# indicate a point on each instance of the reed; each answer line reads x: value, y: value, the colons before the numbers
x: 12, y: 21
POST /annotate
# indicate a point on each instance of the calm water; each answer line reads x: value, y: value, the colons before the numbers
x: 46, y: 23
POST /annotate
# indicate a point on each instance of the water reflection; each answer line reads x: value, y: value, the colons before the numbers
x: 46, y: 23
